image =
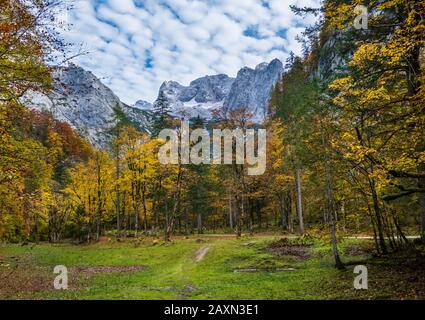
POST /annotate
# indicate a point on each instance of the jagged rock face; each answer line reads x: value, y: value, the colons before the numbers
x: 200, y: 98
x: 334, y: 56
x: 83, y: 101
x: 252, y: 88
x: 143, y: 105
x: 209, y: 89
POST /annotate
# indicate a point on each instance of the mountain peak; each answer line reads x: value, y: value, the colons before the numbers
x: 143, y: 105
x: 262, y: 66
x: 251, y: 88
x: 79, y: 98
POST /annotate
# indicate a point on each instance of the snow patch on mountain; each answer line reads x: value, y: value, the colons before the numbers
x: 199, y: 99
x: 82, y: 100
x: 204, y: 96
x: 143, y: 105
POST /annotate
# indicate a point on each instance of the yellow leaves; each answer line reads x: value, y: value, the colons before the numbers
x: 341, y: 83
x: 359, y: 153
x: 388, y: 54
x: 421, y: 157
x: 366, y: 52
x: 56, y: 146
x: 374, y: 96
x: 92, y: 183
x: 340, y: 15
x: 388, y: 4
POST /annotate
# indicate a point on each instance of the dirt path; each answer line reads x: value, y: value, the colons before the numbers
x: 201, y: 253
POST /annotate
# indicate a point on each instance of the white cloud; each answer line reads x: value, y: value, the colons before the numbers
x: 135, y: 45
x: 122, y: 6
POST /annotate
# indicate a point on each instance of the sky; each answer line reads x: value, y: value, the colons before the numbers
x: 135, y: 45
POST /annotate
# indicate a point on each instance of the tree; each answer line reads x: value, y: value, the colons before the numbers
x: 141, y: 163
x: 90, y: 191
x: 120, y: 121
x: 293, y: 101
x: 26, y: 164
x: 382, y: 98
x: 161, y: 118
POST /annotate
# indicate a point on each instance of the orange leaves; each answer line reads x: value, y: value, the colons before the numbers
x: 24, y: 42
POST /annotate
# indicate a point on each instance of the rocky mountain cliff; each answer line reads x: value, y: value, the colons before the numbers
x: 200, y: 98
x: 82, y: 100
x: 251, y: 88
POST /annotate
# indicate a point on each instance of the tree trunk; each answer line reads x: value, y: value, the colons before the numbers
x: 145, y: 211
x: 282, y: 208
x: 379, y: 222
x: 99, y: 201
x: 331, y: 205
x: 300, y: 202
x: 423, y: 220
x: 186, y: 221
x: 230, y: 215
x: 199, y: 223
x: 332, y: 216
x: 166, y: 234
x: 177, y: 193
x: 422, y: 206
x: 338, y: 262
x: 136, y: 206
x: 118, y: 193
x: 238, y: 218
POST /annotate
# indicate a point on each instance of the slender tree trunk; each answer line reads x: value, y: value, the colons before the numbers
x: 422, y: 204
x: 99, y: 201
x: 186, y: 221
x: 379, y: 222
x: 118, y: 192
x: 331, y: 206
x: 238, y: 218
x: 423, y: 218
x: 290, y: 212
x: 156, y: 207
x: 283, y: 214
x: 230, y: 214
x: 243, y: 213
x: 136, y: 206
x: 145, y: 211
x: 199, y: 223
x: 177, y: 194
x: 332, y: 215
x: 167, y: 222
x: 300, y: 202
x: 124, y: 220
x: 198, y: 209
x: 344, y: 217
x: 372, y: 221
x: 400, y: 232
x: 338, y: 262
x: 251, y: 218
x: 414, y: 84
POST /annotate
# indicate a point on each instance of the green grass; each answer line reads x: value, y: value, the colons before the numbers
x: 171, y: 271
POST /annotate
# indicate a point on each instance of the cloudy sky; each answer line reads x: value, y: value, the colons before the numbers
x: 135, y: 45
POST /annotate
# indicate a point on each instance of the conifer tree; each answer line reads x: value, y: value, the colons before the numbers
x: 161, y: 118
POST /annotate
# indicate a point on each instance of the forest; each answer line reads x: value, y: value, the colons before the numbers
x: 345, y: 145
